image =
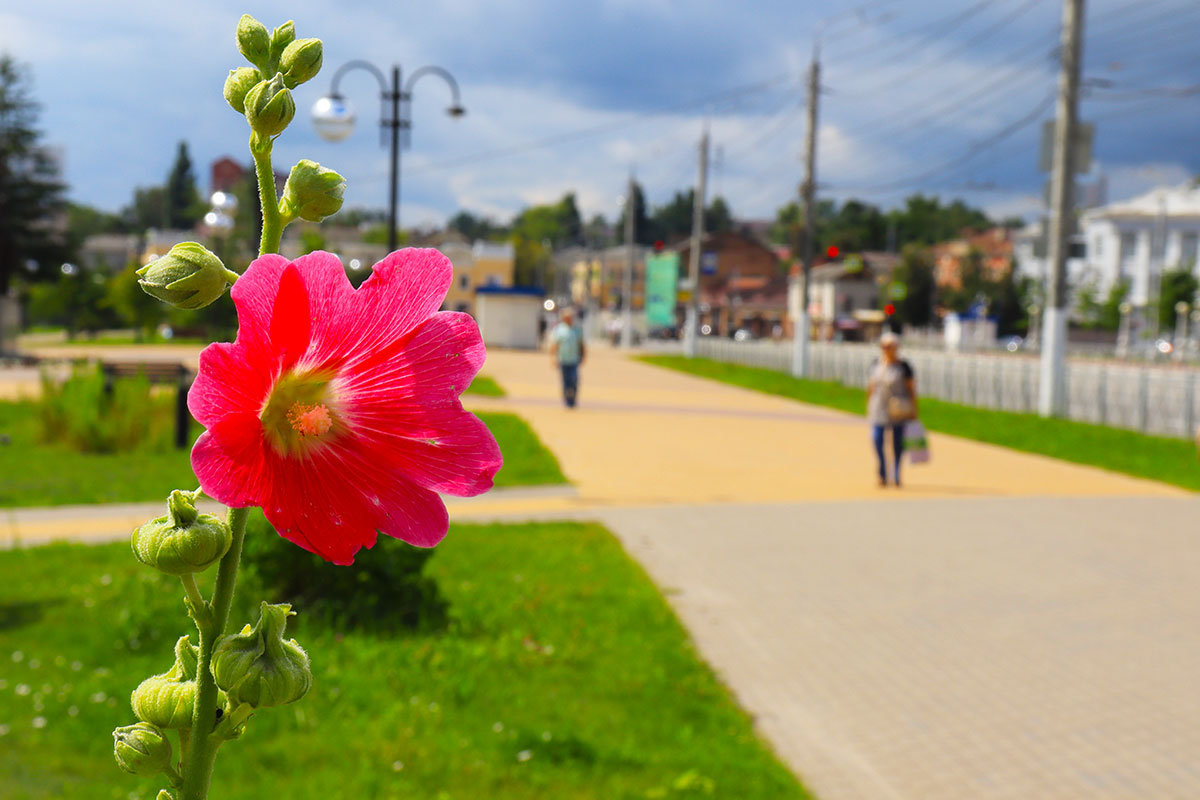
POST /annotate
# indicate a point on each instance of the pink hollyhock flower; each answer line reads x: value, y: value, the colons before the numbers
x: 337, y: 409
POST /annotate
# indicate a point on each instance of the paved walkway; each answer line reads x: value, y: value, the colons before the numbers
x: 1006, y: 626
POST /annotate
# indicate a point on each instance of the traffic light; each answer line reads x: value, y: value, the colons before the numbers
x: 832, y: 251
x: 889, y: 309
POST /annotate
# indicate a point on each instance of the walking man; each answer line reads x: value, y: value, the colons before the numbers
x: 567, y: 350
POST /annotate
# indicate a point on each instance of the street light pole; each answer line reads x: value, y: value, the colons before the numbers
x: 334, y: 120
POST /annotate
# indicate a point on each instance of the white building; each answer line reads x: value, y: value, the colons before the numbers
x: 1137, y: 239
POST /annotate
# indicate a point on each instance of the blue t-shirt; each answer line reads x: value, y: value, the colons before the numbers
x: 570, y: 343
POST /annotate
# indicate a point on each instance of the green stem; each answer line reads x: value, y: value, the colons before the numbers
x: 200, y: 608
x: 272, y: 228
x: 197, y: 770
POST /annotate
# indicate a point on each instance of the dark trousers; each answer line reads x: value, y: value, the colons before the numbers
x: 570, y: 381
x: 877, y: 436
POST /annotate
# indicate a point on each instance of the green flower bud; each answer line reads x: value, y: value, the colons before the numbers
x: 167, y: 700
x: 284, y: 35
x: 301, y: 61
x: 188, y: 276
x: 163, y: 794
x: 184, y: 541
x: 270, y: 107
x: 254, y: 42
x: 312, y: 192
x: 142, y: 749
x: 257, y: 667
x: 239, y: 82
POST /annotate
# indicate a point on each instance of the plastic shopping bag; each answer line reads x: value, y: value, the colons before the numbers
x: 915, y: 442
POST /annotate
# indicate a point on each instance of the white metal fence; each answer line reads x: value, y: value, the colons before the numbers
x: 1151, y: 399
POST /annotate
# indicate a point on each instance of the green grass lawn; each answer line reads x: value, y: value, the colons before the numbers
x: 483, y: 385
x: 33, y: 473
x: 1159, y: 458
x: 562, y: 674
x: 527, y: 462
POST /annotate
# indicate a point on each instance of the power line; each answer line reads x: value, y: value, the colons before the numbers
x: 925, y: 32
x: 986, y: 33
x: 565, y: 137
x: 972, y: 152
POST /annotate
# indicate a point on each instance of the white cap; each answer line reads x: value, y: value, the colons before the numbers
x: 888, y: 338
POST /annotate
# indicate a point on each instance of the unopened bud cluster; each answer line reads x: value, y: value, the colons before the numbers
x: 280, y: 62
x: 184, y: 541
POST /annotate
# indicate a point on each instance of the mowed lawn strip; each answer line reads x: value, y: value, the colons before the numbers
x: 33, y: 473
x: 1158, y: 458
x: 562, y: 674
x: 485, y: 386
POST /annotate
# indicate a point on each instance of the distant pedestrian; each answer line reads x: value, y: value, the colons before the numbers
x: 568, y: 351
x: 891, y: 402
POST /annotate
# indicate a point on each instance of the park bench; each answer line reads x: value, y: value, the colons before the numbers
x: 157, y: 372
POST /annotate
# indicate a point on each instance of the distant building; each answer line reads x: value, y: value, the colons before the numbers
x: 111, y: 251
x: 1136, y: 240
x: 226, y: 173
x: 995, y: 249
x: 844, y: 295
x: 481, y: 265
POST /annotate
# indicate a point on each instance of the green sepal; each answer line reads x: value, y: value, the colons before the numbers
x: 301, y: 61
x: 142, y: 749
x: 284, y: 35
x: 238, y: 84
x: 254, y: 42
x: 189, y: 276
x: 312, y: 192
x: 257, y: 667
x: 184, y: 541
x: 168, y: 700
x: 270, y: 107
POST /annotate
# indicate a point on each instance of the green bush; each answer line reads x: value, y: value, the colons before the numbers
x: 91, y: 415
x: 385, y: 590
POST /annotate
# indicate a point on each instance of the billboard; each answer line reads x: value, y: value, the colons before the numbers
x: 662, y: 277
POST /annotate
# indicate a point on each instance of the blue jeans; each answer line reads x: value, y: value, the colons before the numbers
x: 877, y: 435
x: 570, y: 382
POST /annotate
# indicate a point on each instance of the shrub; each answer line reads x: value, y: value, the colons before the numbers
x: 94, y: 416
x: 385, y: 590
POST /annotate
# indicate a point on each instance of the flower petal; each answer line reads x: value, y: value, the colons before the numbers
x: 228, y: 382
x: 229, y: 460
x: 291, y: 319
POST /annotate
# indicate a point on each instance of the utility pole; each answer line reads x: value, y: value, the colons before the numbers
x: 692, y: 320
x: 627, y: 288
x: 1052, y: 388
x: 807, y: 191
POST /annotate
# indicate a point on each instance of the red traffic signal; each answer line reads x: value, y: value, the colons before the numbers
x: 658, y: 245
x: 832, y: 251
x: 889, y: 309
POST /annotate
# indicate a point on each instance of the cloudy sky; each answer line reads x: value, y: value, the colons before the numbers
x: 916, y: 95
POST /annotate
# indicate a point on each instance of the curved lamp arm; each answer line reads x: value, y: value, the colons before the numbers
x: 358, y: 64
x: 456, y: 108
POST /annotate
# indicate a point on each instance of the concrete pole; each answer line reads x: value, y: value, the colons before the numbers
x: 1123, y: 331
x: 1052, y: 388
x: 1181, y: 322
x: 800, y: 365
x: 692, y: 320
x: 627, y: 287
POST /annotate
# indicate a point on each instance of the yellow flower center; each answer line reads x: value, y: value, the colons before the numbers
x: 301, y: 413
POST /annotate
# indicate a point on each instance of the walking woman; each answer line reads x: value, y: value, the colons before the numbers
x: 891, y: 402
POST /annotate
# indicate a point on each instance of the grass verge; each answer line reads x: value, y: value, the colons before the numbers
x: 485, y: 386
x: 34, y: 473
x: 1158, y: 458
x: 527, y: 462
x: 562, y: 674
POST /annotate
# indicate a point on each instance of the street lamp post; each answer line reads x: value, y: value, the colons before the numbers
x: 1181, y: 322
x: 334, y: 118
x: 1123, y: 333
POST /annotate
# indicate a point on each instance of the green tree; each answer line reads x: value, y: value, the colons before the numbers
x: 718, y: 218
x: 474, y: 227
x: 31, y: 189
x: 972, y: 284
x: 1109, y: 318
x: 184, y: 207
x: 1008, y: 301
x: 914, y: 273
x: 135, y: 308
x: 1178, y: 285
x: 643, y: 230
x: 147, y: 210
